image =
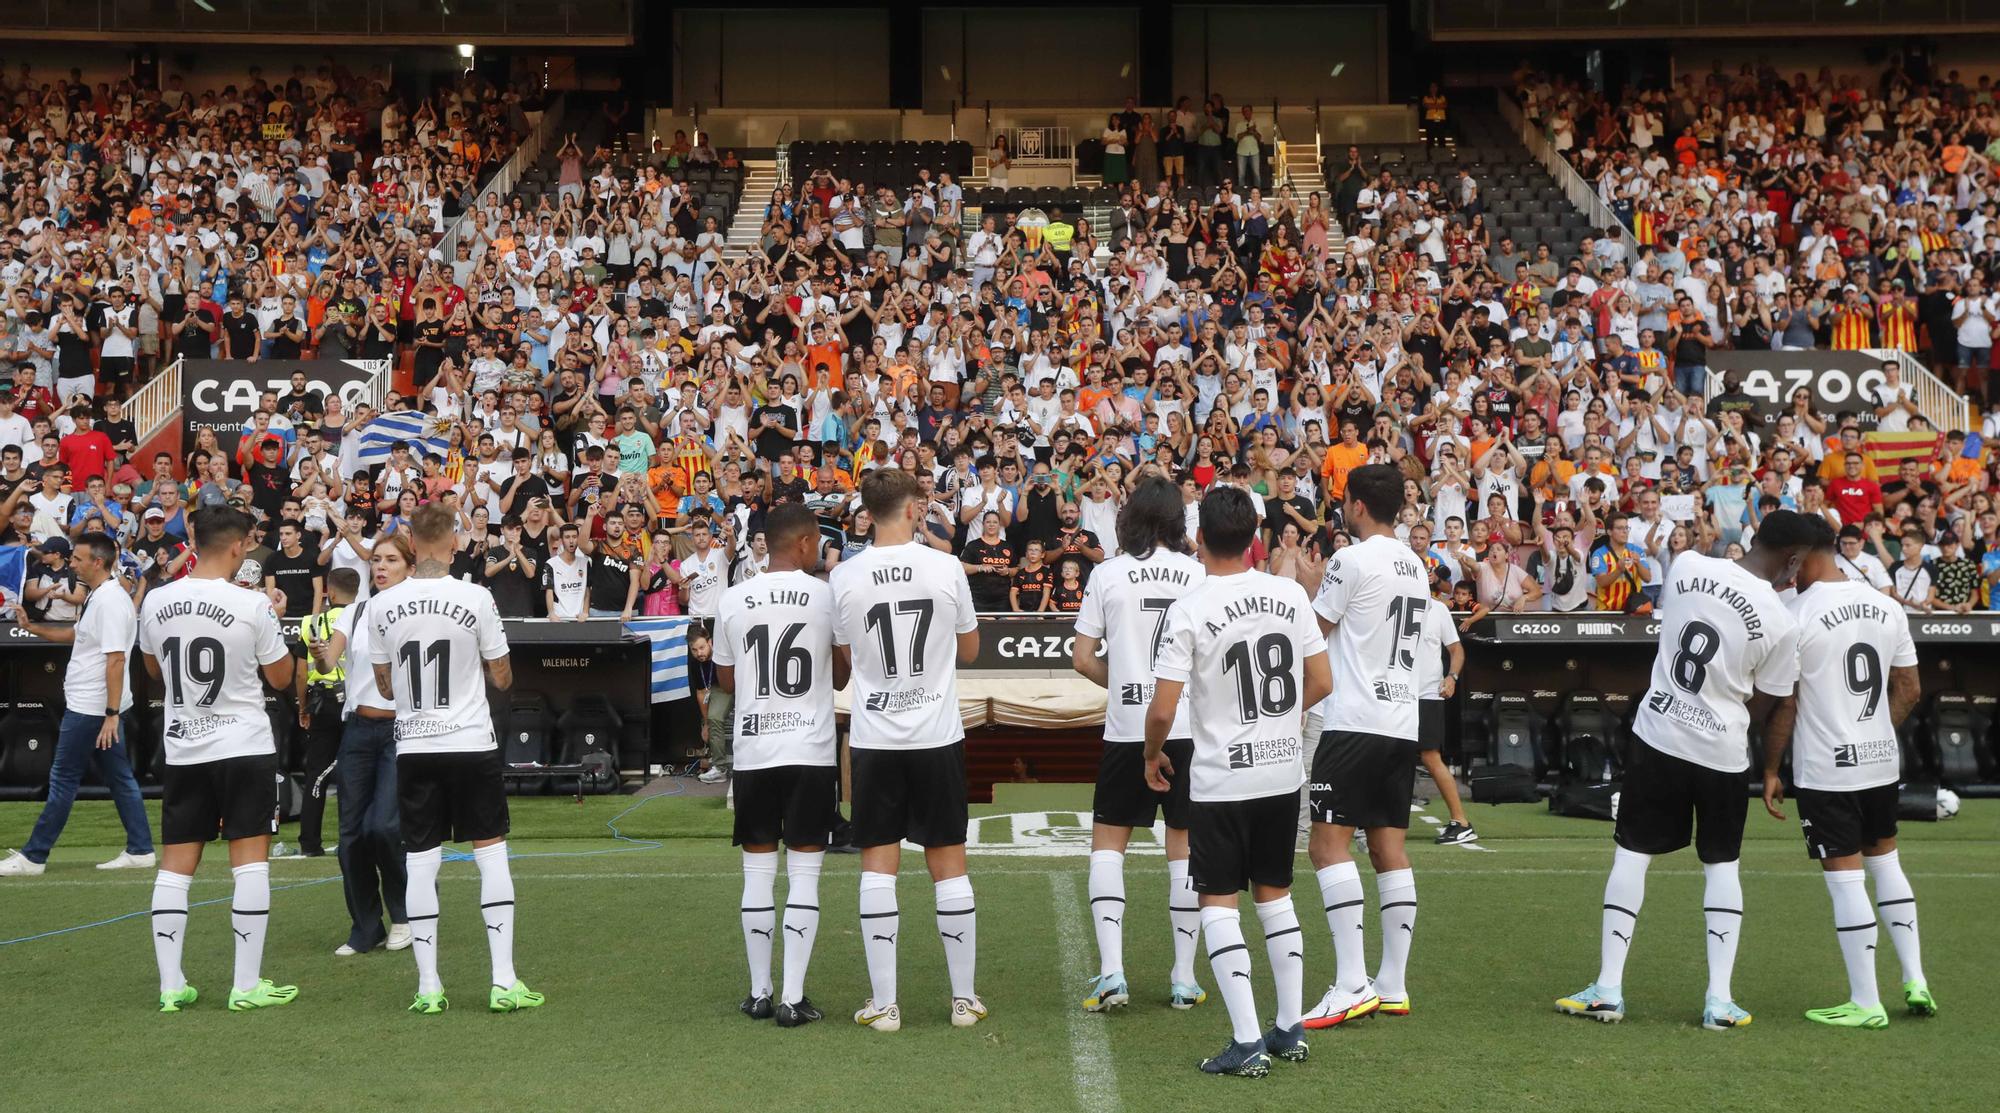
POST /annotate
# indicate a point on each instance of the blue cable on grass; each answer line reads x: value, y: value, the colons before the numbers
x: 449, y: 856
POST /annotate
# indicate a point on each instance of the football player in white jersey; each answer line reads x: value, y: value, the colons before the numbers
x: 777, y: 627
x: 428, y: 638
x: 1437, y: 683
x: 903, y: 617
x: 1371, y: 606
x: 1118, y: 632
x: 1244, y: 648
x: 1857, y: 682
x: 1728, y: 652
x: 207, y: 642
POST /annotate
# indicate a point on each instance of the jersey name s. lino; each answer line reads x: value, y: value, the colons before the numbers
x: 1125, y: 605
x: 1850, y: 636
x: 211, y: 638
x: 1375, y: 593
x: 900, y: 609
x: 435, y: 635
x: 1724, y: 634
x: 1240, y: 644
x: 776, y: 631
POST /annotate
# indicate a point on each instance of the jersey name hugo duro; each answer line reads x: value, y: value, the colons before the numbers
x: 1125, y: 605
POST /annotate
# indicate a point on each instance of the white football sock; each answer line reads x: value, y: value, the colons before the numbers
x: 879, y: 925
x: 1722, y: 913
x: 1285, y: 944
x: 1107, y: 908
x: 1184, y: 912
x: 170, y: 922
x: 1230, y: 960
x: 1854, y: 925
x: 760, y: 917
x: 1624, y: 894
x: 1340, y: 890
x: 1396, y: 890
x: 1896, y: 903
x: 496, y: 907
x: 420, y: 900
x: 249, y: 916
x: 801, y: 918
x: 958, y: 929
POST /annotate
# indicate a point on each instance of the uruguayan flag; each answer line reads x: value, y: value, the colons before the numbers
x: 670, y: 655
x: 428, y: 436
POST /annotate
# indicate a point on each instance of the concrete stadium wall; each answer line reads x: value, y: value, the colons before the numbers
x: 831, y: 58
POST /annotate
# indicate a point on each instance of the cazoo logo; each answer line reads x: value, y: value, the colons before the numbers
x: 1039, y: 647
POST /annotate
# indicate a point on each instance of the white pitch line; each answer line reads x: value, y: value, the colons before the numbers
x: 1096, y: 1078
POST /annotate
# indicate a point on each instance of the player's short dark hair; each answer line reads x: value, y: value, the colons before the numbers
x: 216, y: 528
x: 885, y: 491
x: 1789, y: 529
x: 433, y: 523
x: 1378, y: 488
x: 1154, y: 517
x: 1228, y: 521
x: 345, y: 581
x: 787, y: 522
x: 99, y: 545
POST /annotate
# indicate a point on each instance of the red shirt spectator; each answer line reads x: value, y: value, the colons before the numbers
x: 86, y: 452
x: 1854, y: 497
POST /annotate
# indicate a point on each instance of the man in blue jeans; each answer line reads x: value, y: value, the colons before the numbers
x: 95, y: 695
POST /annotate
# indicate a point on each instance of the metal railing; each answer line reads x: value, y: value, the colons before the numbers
x: 503, y: 180
x: 1579, y: 191
x: 1944, y: 407
x: 154, y: 405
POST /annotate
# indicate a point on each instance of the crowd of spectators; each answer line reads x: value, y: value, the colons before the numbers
x: 619, y: 401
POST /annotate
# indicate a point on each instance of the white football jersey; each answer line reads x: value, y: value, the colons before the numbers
x: 1240, y: 643
x: 568, y: 581
x: 900, y: 609
x: 1125, y: 606
x: 704, y: 582
x: 1375, y: 592
x: 1439, y: 634
x: 1724, y: 634
x: 211, y: 638
x: 436, y: 634
x: 776, y: 631
x: 1850, y: 636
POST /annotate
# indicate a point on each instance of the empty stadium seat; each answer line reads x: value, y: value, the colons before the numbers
x: 524, y: 745
x: 27, y: 748
x: 1961, y: 737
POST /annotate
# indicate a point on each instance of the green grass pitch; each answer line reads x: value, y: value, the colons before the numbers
x: 640, y: 953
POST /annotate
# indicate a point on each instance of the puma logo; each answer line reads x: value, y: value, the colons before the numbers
x: 1871, y: 946
x: 1909, y: 926
x: 1722, y: 935
x: 1621, y: 937
x: 1293, y: 954
x: 426, y: 940
x: 765, y: 932
x: 889, y: 939
x: 1238, y: 974
x: 956, y: 938
x: 1189, y: 932
x: 243, y: 935
x: 1112, y: 920
x: 798, y: 931
x: 166, y: 935
x: 495, y: 928
x: 1408, y: 928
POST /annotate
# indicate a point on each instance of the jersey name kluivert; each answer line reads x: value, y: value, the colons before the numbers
x: 1850, y: 636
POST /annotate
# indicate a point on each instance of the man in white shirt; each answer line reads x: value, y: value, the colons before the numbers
x: 213, y: 647
x: 1857, y: 683
x: 903, y: 617
x: 566, y: 578
x: 1728, y: 653
x: 430, y: 636
x: 95, y: 696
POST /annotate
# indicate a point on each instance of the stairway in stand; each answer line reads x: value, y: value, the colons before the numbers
x: 760, y: 177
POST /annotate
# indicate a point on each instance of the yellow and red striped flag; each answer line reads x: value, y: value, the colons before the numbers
x: 1887, y: 451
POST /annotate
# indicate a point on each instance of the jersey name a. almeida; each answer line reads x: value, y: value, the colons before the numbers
x: 900, y: 609
x: 1850, y: 636
x: 776, y: 631
x: 436, y: 634
x: 1126, y: 607
x: 1724, y: 633
x: 211, y: 639
x: 1240, y: 643
x: 1374, y: 590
